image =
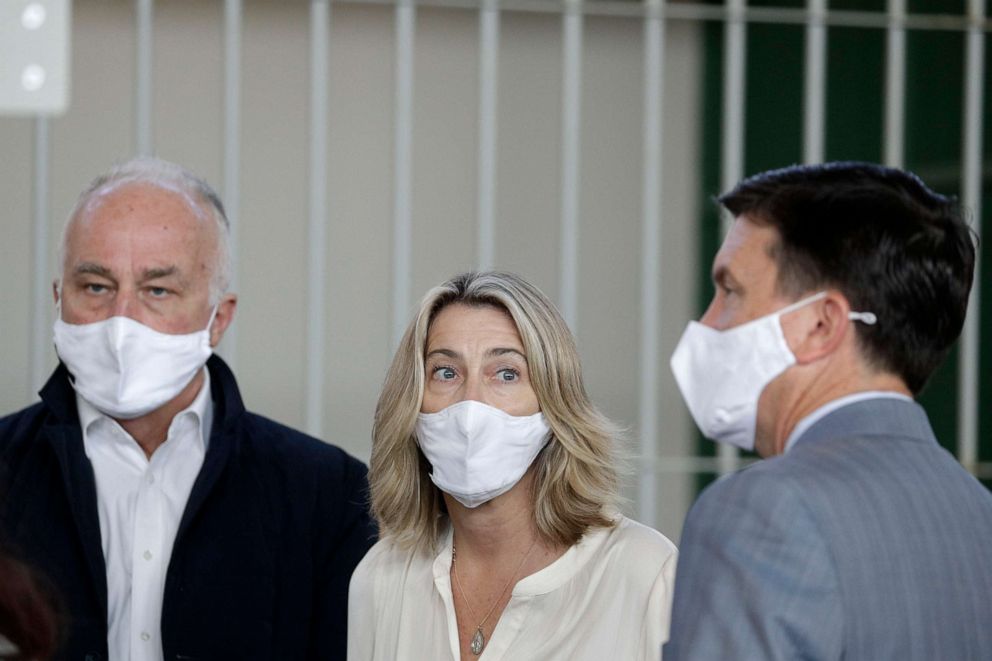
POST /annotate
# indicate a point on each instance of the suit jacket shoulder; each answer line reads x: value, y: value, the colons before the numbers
x: 860, y: 541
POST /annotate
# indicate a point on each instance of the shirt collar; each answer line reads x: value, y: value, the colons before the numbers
x: 832, y: 406
x: 202, y: 409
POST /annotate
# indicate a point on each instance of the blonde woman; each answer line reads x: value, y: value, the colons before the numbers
x: 494, y: 483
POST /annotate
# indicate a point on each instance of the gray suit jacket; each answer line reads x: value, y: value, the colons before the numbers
x: 867, y: 540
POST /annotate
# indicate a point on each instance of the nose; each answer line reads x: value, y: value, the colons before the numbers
x: 473, y: 389
x: 124, y: 304
x: 711, y: 315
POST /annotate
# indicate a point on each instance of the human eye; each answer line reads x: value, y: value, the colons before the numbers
x: 508, y: 375
x: 158, y: 292
x: 443, y: 373
x: 95, y: 287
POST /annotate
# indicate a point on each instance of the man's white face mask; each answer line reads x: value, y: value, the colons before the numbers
x: 722, y: 374
x: 126, y: 369
x: 479, y: 452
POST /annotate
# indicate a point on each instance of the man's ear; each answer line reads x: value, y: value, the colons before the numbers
x: 818, y: 329
x: 55, y: 291
x: 225, y: 315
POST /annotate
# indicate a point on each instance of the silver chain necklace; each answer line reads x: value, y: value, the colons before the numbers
x: 479, y: 639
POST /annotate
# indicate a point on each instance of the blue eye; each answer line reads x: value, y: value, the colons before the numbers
x: 96, y: 288
x: 444, y: 373
x: 508, y: 375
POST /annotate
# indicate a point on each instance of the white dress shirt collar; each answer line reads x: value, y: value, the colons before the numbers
x: 832, y: 406
x: 202, y: 408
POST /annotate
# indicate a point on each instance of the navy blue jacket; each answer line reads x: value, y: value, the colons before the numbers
x: 272, y: 530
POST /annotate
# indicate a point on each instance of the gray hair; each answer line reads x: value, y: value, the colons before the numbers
x: 172, y: 177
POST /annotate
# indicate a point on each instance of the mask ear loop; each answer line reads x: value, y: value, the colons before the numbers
x: 867, y: 318
x: 58, y: 301
x: 213, y: 315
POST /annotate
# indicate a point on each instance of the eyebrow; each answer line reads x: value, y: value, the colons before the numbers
x: 90, y: 268
x: 154, y: 274
x: 498, y: 351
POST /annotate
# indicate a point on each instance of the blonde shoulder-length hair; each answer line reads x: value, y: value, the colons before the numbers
x: 576, y: 483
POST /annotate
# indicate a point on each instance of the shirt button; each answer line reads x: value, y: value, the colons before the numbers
x: 145, y: 636
x: 147, y: 555
x: 151, y: 479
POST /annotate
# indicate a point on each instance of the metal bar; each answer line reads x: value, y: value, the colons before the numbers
x: 711, y: 465
x: 403, y: 137
x: 651, y: 238
x: 732, y: 150
x: 895, y: 84
x: 816, y: 82
x: 570, y: 156
x: 143, y: 78
x: 320, y: 28
x: 40, y: 326
x: 689, y: 465
x: 489, y: 19
x: 232, y: 151
x: 968, y: 376
x: 688, y: 11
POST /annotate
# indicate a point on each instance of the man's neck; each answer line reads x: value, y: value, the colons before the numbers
x: 151, y: 430
x: 820, y: 393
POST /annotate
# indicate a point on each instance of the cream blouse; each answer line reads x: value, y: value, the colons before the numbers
x: 607, y: 597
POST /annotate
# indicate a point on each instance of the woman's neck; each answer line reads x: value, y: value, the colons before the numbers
x: 501, y: 529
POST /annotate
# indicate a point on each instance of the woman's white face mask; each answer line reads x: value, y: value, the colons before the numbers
x: 479, y: 452
x: 126, y: 369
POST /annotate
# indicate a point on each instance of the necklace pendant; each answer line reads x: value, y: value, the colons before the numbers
x: 478, y: 642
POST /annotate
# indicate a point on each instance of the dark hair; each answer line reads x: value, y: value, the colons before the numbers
x: 882, y: 238
x: 29, y: 617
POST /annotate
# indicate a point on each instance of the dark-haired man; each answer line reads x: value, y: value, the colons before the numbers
x: 839, y: 290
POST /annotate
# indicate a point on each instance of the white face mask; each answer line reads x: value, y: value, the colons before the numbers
x: 126, y: 369
x: 479, y: 452
x: 722, y: 374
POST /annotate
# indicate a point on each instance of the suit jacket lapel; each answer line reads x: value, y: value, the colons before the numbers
x: 80, y: 489
x: 228, y: 408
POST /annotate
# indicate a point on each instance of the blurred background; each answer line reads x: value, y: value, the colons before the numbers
x: 367, y: 150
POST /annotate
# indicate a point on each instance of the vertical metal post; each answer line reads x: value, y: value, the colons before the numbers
x: 320, y: 28
x: 232, y: 151
x: 41, y: 332
x: 143, y: 78
x: 968, y: 376
x: 895, y: 84
x: 732, y: 152
x: 488, y: 84
x: 403, y: 168
x: 570, y: 156
x: 816, y: 81
x: 651, y: 237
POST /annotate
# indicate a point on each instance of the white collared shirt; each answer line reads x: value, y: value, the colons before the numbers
x: 608, y: 597
x: 830, y: 407
x: 140, y: 502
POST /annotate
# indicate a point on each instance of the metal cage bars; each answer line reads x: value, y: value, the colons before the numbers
x: 734, y: 14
